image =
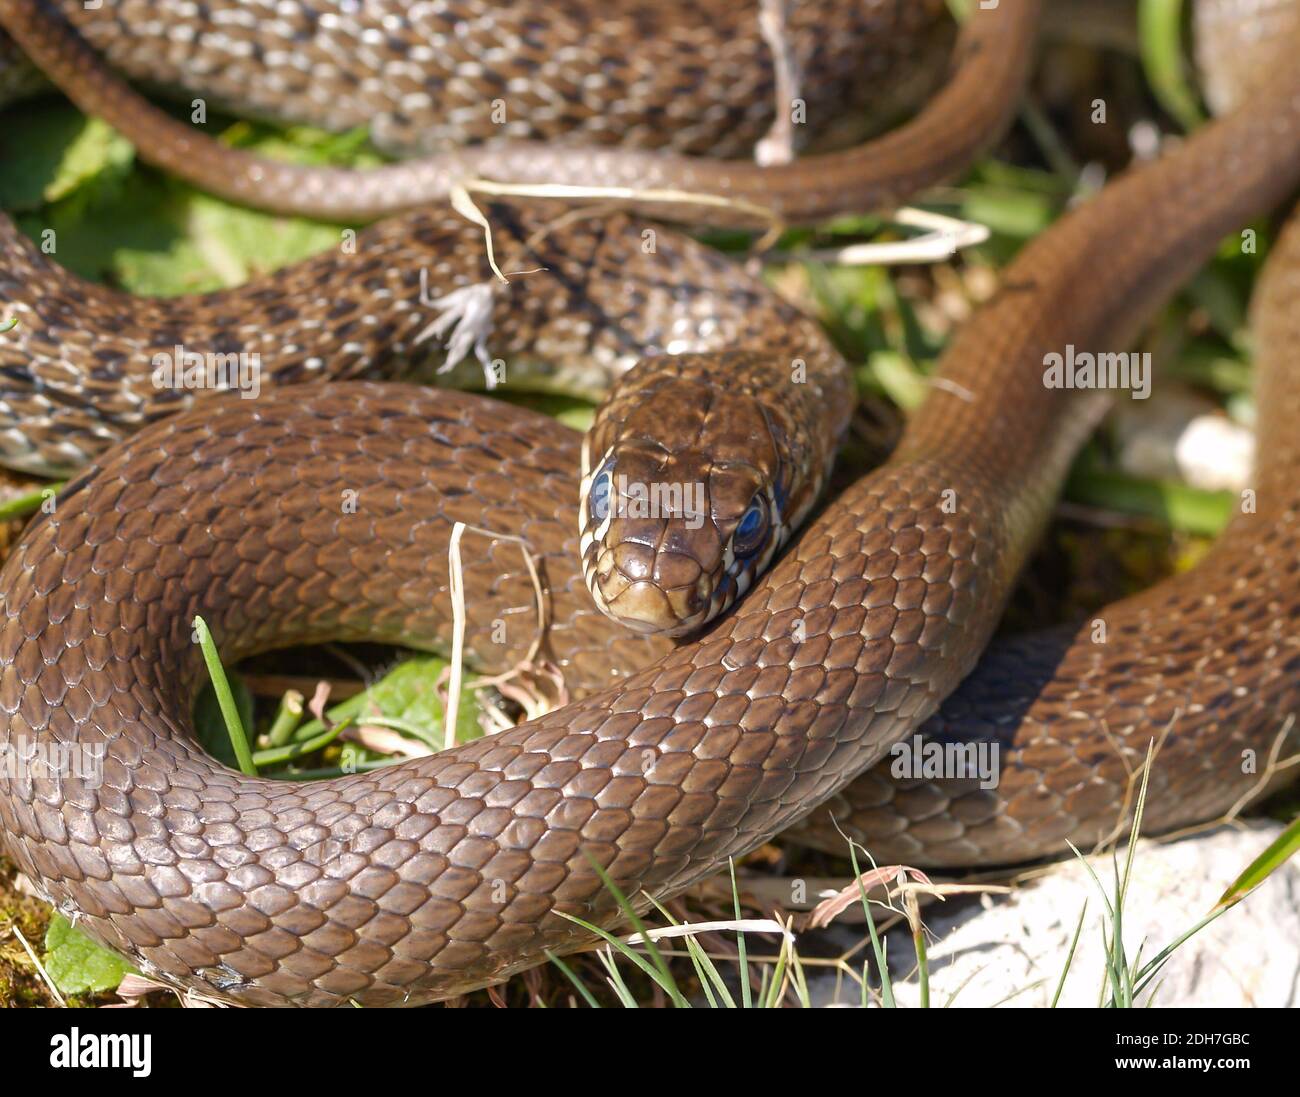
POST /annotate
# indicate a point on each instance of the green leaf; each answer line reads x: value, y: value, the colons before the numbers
x: 238, y: 243
x: 1160, y: 32
x: 78, y: 965
x: 408, y: 693
x: 94, y: 232
x: 899, y: 377
x: 1263, y: 866
x: 1189, y: 510
x: 113, y: 221
x: 300, y: 144
x: 1017, y: 214
x: 29, y: 502
x: 51, y: 150
x: 572, y: 411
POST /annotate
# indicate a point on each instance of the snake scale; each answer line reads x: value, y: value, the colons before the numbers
x: 425, y: 879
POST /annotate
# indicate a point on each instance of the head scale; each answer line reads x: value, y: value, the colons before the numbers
x: 688, y: 492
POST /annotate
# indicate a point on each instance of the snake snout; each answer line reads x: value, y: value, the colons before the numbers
x: 652, y: 589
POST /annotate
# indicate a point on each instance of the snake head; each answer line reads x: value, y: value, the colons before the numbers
x: 684, y: 502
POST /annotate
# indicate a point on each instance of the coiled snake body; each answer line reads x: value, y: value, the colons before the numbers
x: 422, y: 880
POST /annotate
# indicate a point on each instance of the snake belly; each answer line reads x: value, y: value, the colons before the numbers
x: 445, y: 873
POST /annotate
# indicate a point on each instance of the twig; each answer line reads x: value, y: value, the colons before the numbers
x: 943, y: 237
x: 777, y: 146
x: 457, y: 585
x: 45, y: 975
x: 565, y: 192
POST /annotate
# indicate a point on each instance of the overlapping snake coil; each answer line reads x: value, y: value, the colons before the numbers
x: 441, y: 874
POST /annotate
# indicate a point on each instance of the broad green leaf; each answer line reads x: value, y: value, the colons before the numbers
x: 408, y: 693
x: 76, y: 964
x: 51, y: 150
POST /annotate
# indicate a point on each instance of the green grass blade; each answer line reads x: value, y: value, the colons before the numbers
x: 710, y: 979
x: 1110, y: 911
x: 705, y: 969
x: 1160, y: 38
x: 293, y: 750
x: 800, y: 978
x: 1135, y: 831
x: 1119, y: 959
x: 1069, y: 956
x: 225, y: 699
x: 1113, y: 978
x: 352, y: 706
x: 742, y: 957
x: 287, y: 718
x: 324, y: 773
x: 29, y: 502
x: 886, y: 984
x: 1263, y: 866
x: 775, y: 988
x: 656, y: 957
x: 616, y: 981
x: 1153, y: 966
x: 922, y: 965
x: 663, y: 978
x: 622, y: 948
x: 571, y: 975
x: 1182, y: 508
x: 1128, y: 972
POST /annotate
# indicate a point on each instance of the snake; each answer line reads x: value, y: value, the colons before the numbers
x: 325, y: 511
x: 973, y: 106
x: 414, y: 74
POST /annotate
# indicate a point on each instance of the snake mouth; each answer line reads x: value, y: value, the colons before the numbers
x: 642, y: 607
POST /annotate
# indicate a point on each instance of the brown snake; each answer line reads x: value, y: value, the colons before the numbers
x: 701, y: 79
x: 974, y: 106
x: 441, y: 874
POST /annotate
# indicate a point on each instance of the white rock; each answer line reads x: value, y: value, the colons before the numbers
x: 1179, y: 435
x: 1215, y: 454
x: 1011, y: 950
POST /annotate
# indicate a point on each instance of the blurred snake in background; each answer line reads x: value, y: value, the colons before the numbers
x: 428, y: 878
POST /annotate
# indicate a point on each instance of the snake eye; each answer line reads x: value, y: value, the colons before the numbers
x: 598, y: 499
x: 752, y: 530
